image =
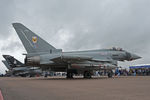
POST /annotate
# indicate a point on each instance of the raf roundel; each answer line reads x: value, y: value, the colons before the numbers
x: 34, y: 39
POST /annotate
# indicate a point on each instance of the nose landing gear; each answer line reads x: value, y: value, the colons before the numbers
x: 110, y: 73
x: 69, y: 75
x: 87, y: 74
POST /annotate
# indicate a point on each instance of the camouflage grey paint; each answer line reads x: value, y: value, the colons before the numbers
x: 41, y: 53
x: 16, y: 67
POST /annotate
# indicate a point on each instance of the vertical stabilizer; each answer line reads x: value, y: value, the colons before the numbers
x: 32, y: 42
x: 12, y: 62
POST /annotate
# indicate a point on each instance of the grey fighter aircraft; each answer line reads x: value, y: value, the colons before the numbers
x: 17, y: 68
x: 42, y: 54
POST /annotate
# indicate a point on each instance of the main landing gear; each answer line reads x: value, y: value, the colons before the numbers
x: 87, y: 74
x: 69, y: 74
x: 110, y: 74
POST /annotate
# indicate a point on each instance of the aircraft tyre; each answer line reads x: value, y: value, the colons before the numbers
x: 69, y: 75
x: 45, y: 75
x: 110, y: 74
x: 87, y: 74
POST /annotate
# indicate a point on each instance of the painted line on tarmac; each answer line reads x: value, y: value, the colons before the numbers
x: 1, y: 96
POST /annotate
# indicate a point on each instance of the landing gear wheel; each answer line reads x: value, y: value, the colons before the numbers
x: 110, y: 73
x: 87, y: 74
x: 45, y: 75
x: 69, y: 74
x: 30, y: 75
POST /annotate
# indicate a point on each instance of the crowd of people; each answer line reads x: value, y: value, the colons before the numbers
x: 133, y: 72
x: 117, y: 72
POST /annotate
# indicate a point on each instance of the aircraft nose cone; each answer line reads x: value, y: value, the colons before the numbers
x: 134, y: 57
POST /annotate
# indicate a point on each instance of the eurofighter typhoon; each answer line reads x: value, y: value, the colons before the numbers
x: 17, y: 68
x: 41, y: 53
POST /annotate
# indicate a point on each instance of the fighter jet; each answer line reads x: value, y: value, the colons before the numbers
x: 17, y: 68
x: 41, y: 53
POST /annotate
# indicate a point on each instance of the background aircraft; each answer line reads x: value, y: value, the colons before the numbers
x: 16, y: 68
x: 42, y: 54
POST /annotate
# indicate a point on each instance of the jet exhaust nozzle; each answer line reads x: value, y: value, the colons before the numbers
x: 35, y: 60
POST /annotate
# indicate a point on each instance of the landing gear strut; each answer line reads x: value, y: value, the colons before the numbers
x: 69, y: 74
x: 110, y: 73
x: 87, y: 74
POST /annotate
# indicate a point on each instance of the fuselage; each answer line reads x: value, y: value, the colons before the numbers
x: 41, y: 53
x: 99, y: 58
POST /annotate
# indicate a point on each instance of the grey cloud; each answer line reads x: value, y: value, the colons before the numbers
x: 11, y: 47
x: 92, y: 23
x: 6, y: 14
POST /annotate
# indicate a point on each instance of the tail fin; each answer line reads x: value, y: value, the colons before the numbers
x: 6, y: 64
x: 32, y: 42
x: 12, y: 62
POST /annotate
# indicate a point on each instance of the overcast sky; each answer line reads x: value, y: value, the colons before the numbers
x: 78, y: 25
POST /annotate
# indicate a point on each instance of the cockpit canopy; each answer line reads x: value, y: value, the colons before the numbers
x: 117, y: 49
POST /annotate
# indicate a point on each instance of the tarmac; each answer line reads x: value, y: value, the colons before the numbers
x: 59, y: 88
